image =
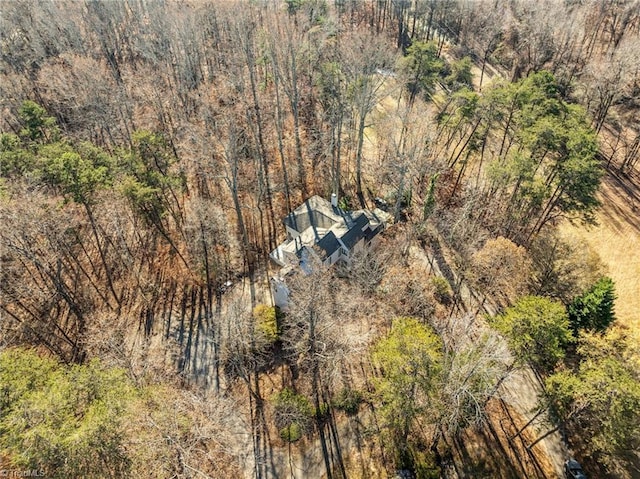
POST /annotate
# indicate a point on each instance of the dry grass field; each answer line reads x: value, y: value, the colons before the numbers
x: 616, y: 239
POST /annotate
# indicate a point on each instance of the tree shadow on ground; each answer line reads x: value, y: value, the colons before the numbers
x: 491, y: 451
x: 620, y: 196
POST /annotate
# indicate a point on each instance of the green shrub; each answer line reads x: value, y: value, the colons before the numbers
x: 291, y: 433
x: 348, y: 400
x: 292, y: 410
x: 288, y: 400
x: 345, y: 203
x: 267, y: 321
x: 424, y: 464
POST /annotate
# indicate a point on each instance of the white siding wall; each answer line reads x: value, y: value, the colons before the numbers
x: 280, y: 293
x: 291, y: 233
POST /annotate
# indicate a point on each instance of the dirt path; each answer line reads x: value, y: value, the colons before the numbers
x: 303, y: 459
x: 520, y: 391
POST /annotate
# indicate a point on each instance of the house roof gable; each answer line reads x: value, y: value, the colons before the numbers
x: 329, y: 243
x: 355, y: 233
x: 315, y: 212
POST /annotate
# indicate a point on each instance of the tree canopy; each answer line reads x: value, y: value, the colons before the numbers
x: 149, y: 151
x: 600, y: 399
x: 93, y: 421
x: 410, y: 361
x: 537, y: 330
x: 422, y: 66
x: 65, y: 421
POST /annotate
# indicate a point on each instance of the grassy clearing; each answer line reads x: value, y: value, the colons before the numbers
x: 616, y: 239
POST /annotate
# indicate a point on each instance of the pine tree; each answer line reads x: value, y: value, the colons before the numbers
x: 593, y: 310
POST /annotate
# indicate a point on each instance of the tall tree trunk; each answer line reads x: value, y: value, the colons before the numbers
x: 261, y: 143
x: 360, y: 139
x: 103, y: 258
x: 280, y: 133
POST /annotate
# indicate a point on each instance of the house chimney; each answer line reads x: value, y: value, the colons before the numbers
x: 334, y: 200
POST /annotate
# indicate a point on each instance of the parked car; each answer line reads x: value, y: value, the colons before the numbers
x: 573, y: 470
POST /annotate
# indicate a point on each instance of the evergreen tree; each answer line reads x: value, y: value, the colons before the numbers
x: 38, y: 127
x: 593, y: 310
x: 422, y: 67
x: 66, y: 421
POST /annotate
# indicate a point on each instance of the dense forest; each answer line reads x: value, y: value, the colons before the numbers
x: 149, y: 152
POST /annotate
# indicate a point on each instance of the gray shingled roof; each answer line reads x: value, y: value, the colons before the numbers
x: 309, y: 214
x: 355, y: 233
x: 371, y: 233
x: 329, y: 243
x: 318, y: 223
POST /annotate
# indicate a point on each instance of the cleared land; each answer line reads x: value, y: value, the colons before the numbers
x: 616, y: 239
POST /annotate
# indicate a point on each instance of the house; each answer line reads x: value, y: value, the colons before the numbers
x: 319, y: 227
